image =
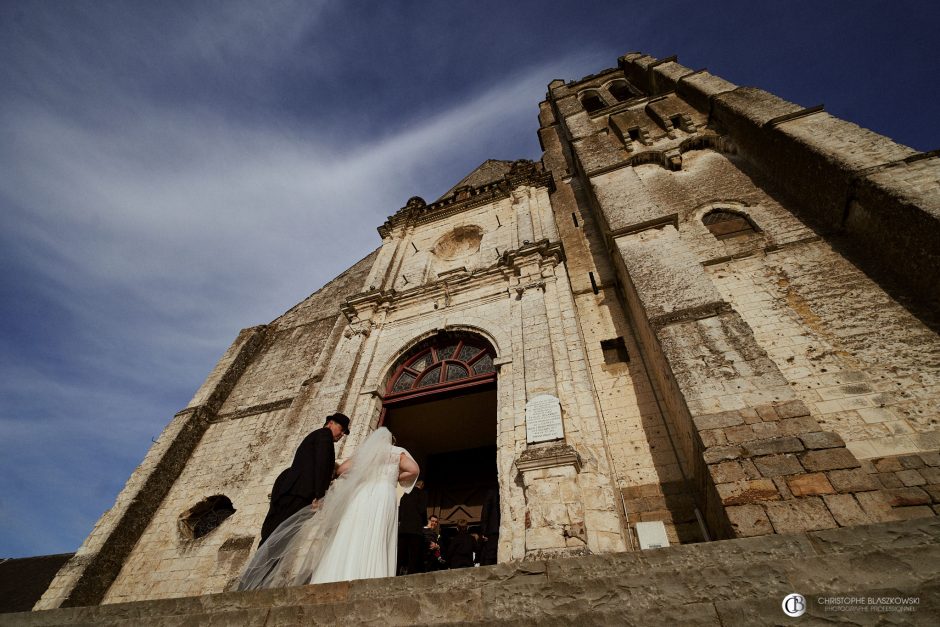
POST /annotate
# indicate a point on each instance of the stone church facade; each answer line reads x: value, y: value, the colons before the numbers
x: 732, y: 298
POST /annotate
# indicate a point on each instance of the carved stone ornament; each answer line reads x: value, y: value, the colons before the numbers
x: 358, y: 327
x: 460, y: 242
x: 539, y: 457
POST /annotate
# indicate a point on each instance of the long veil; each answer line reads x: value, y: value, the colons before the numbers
x: 292, y: 553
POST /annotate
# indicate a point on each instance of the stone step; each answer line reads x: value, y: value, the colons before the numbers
x: 734, y: 582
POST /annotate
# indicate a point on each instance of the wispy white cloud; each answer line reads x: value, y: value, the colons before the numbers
x: 158, y: 228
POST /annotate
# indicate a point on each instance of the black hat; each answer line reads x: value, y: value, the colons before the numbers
x: 340, y: 419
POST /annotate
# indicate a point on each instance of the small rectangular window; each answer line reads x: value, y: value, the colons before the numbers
x: 593, y: 282
x: 574, y: 219
x: 615, y: 351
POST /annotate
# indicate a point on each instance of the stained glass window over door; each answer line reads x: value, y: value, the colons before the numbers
x: 442, y: 362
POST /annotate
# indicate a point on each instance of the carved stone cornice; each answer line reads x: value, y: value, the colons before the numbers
x: 358, y: 308
x: 417, y: 211
x: 541, y: 457
x: 544, y: 250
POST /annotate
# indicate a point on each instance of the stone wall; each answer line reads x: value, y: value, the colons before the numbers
x: 231, y: 440
x: 735, y: 582
x: 868, y: 369
x: 761, y: 344
x: 911, y: 483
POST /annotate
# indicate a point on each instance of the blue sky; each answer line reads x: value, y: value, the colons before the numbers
x: 172, y: 172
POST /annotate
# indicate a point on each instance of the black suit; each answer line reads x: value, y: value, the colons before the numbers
x: 412, y: 517
x: 307, y: 479
x: 489, y: 526
x: 460, y: 550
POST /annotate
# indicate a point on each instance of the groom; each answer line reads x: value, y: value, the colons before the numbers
x: 309, y: 475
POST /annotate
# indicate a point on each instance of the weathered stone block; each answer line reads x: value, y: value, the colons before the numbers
x: 713, y: 437
x: 829, y: 459
x: 800, y: 424
x: 782, y: 487
x: 544, y: 538
x: 821, y: 440
x: 749, y: 520
x: 741, y: 433
x: 726, y: 472
x: 846, y: 510
x: 854, y: 480
x: 934, y: 492
x: 903, y: 497
x: 931, y: 458
x: 932, y: 475
x: 743, y: 492
x: 767, y: 413
x: 921, y: 511
x: 796, y: 515
x: 750, y: 416
x: 867, y: 466
x: 911, y: 478
x: 792, y: 409
x: 721, y: 453
x: 807, y: 485
x: 718, y: 421
x: 888, y: 464
x: 763, y: 430
x: 911, y: 461
x: 776, y: 465
x: 889, y: 480
x: 876, y: 504
x: 750, y: 470
x: 773, y: 445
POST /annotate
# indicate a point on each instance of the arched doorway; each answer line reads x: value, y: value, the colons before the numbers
x: 440, y: 402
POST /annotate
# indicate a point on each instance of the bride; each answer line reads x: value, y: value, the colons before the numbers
x: 353, y: 534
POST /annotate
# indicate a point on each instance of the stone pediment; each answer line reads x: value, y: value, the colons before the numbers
x: 476, y: 189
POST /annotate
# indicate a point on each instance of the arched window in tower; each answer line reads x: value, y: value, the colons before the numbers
x: 591, y: 101
x: 620, y: 90
x: 205, y: 516
x: 445, y: 362
x: 725, y: 224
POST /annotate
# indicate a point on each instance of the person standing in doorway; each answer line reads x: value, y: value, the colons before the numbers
x: 461, y: 547
x: 489, y: 527
x: 412, y: 517
x: 432, y: 545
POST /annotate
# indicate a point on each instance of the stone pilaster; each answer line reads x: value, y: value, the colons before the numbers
x: 554, y: 520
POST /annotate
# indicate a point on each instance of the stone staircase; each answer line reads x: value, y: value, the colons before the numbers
x: 733, y: 582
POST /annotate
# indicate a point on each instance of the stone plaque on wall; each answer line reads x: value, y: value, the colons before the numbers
x: 543, y: 419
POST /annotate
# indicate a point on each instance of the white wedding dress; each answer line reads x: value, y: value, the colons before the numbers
x: 354, y: 535
x: 365, y: 545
